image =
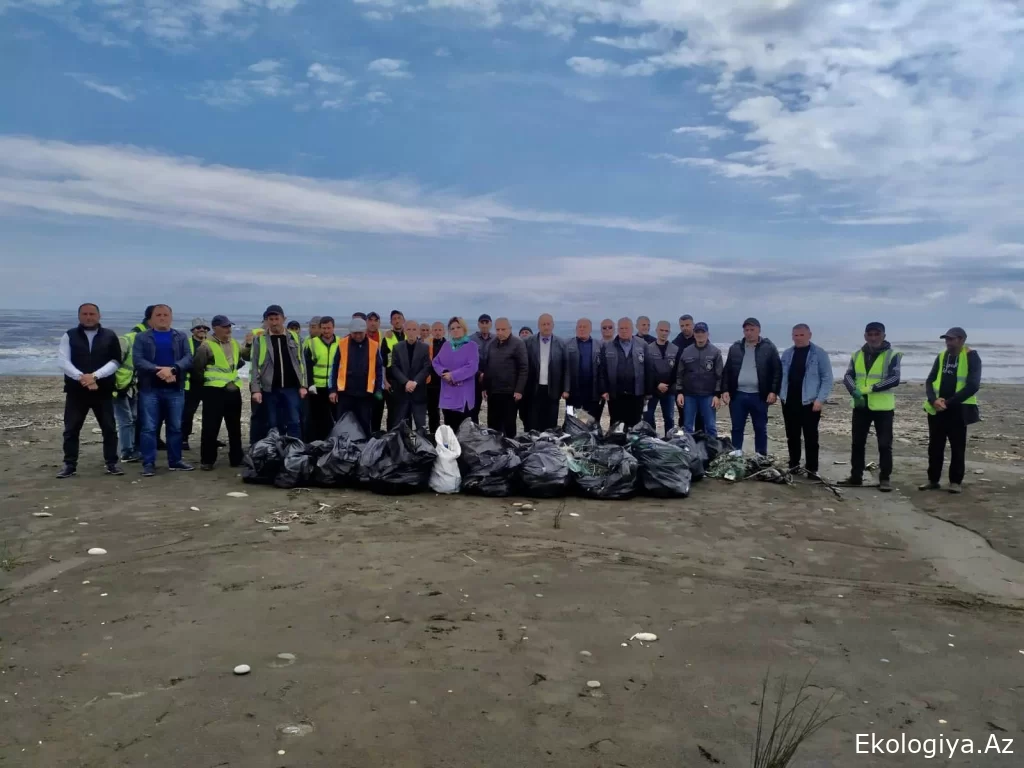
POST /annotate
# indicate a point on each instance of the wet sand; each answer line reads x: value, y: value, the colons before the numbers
x: 448, y: 631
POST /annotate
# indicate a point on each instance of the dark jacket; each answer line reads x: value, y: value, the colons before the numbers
x: 955, y: 400
x: 558, y: 368
x: 573, y: 362
x: 700, y: 371
x: 144, y: 356
x: 410, y: 365
x: 505, y: 367
x: 663, y: 367
x: 611, y: 361
x: 769, y: 368
x: 682, y: 342
x: 332, y: 377
x: 105, y: 348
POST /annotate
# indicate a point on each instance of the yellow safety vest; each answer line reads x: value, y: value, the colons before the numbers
x: 877, y: 401
x: 125, y: 375
x: 323, y: 356
x: 961, y: 379
x: 389, y: 341
x: 223, y: 372
x: 192, y: 349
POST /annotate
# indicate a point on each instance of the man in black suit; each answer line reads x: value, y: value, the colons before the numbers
x: 583, y: 355
x: 410, y: 366
x: 548, y: 379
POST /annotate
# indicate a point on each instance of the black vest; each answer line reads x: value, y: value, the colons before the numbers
x: 105, y: 347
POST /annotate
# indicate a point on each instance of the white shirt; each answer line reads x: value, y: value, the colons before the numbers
x: 545, y: 359
x: 64, y: 355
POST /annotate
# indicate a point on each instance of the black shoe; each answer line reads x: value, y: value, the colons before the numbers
x: 221, y: 444
x: 206, y: 467
x: 885, y: 486
x: 181, y: 466
x: 131, y: 458
x: 68, y: 470
x: 148, y: 470
x: 929, y: 486
x: 114, y: 469
x: 185, y: 446
x: 235, y: 464
x: 956, y: 488
x: 852, y: 481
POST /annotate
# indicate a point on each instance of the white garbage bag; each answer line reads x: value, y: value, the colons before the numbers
x: 445, y: 476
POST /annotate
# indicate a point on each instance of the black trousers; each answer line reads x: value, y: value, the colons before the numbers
x: 629, y: 409
x: 410, y: 410
x: 801, y: 420
x: 376, y: 413
x: 433, y: 409
x: 454, y: 419
x: 942, y: 427
x: 221, y: 404
x: 363, y: 407
x: 501, y: 413
x: 474, y: 414
x: 76, y: 407
x: 259, y: 426
x: 544, y: 409
x: 321, y: 415
x: 863, y: 418
x: 193, y: 397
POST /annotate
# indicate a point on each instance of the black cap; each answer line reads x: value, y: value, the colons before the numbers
x: 956, y: 332
x: 373, y: 316
x: 149, y: 313
x: 396, y: 312
x: 703, y: 328
x: 273, y: 309
x: 221, y: 321
x: 751, y: 321
x: 484, y: 318
x: 876, y: 326
x: 294, y: 324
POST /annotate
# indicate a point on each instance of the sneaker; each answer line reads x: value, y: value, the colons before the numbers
x: 185, y: 446
x: 181, y: 466
x: 736, y: 454
x: 956, y: 488
x: 114, y: 469
x: 885, y: 486
x: 148, y: 470
x: 206, y: 467
x: 68, y: 470
x: 852, y: 481
x: 929, y: 486
x: 131, y: 458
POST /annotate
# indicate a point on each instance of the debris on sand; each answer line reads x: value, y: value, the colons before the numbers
x: 97, y: 431
x: 586, y: 653
x: 97, y: 551
x: 194, y: 509
x: 593, y: 684
x: 42, y: 514
x: 644, y: 637
x: 280, y: 528
x: 243, y: 669
x: 237, y: 494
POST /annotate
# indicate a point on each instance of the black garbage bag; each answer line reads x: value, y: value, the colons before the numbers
x: 695, y: 454
x: 349, y: 428
x: 664, y: 468
x: 604, y: 472
x: 544, y: 472
x: 337, y: 462
x: 617, y: 434
x: 639, y: 430
x: 397, y: 462
x: 264, y: 460
x: 579, y: 425
x: 489, y: 461
x: 713, y: 446
x: 297, y: 466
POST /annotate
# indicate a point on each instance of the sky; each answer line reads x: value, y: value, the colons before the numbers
x: 806, y: 160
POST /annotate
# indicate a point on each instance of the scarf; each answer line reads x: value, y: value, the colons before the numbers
x: 456, y: 343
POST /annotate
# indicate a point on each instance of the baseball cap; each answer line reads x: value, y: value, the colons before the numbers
x: 702, y: 328
x: 956, y: 332
x: 750, y: 321
x: 875, y: 326
x: 373, y: 316
x: 273, y: 309
x: 358, y: 325
x: 294, y: 324
x: 484, y: 318
x: 221, y: 321
x: 199, y: 322
x: 315, y: 320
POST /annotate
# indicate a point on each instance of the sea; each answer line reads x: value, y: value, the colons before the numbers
x: 29, y: 339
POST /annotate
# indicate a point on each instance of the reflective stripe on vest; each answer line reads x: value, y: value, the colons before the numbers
x: 961, y: 379
x: 389, y: 341
x: 371, y: 378
x: 258, y: 332
x: 125, y: 375
x: 192, y: 349
x: 222, y: 372
x: 323, y: 356
x: 877, y: 401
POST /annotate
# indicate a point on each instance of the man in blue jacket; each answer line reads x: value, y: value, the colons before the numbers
x: 162, y: 359
x: 806, y: 384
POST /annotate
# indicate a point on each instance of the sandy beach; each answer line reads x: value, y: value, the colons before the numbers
x: 452, y: 631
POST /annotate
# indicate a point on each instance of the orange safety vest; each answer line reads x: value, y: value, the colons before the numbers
x: 371, y: 379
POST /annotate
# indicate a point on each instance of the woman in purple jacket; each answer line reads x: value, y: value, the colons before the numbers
x: 457, y: 363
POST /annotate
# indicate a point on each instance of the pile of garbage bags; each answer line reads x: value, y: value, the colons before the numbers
x: 577, y: 458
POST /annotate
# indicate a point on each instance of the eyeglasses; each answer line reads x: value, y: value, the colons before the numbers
x: 607, y: 328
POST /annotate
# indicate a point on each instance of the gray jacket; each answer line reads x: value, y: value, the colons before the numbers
x: 611, y: 361
x: 663, y: 369
x: 700, y: 371
x: 261, y: 372
x: 558, y: 368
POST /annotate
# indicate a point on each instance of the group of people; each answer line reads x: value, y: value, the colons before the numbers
x: 425, y: 373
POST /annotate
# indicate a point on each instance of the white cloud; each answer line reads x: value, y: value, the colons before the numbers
x: 377, y: 97
x: 704, y: 131
x: 585, y: 65
x: 327, y: 74
x: 442, y: 52
x: 240, y: 91
x: 728, y: 168
x: 875, y: 221
x: 649, y: 41
x: 332, y: 104
x: 393, y: 68
x: 792, y: 197
x: 108, y: 90
x: 265, y: 66
x: 998, y: 298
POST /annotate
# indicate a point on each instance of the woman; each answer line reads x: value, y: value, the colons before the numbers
x: 457, y: 363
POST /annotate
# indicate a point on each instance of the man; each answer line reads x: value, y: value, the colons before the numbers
x: 753, y: 377
x: 215, y: 369
x: 434, y: 341
x: 126, y: 400
x: 483, y: 338
x: 319, y: 353
x: 525, y: 332
x: 390, y: 340
x: 685, y: 337
x: 410, y: 367
x: 607, y: 330
x: 373, y: 334
x: 277, y: 379
x: 548, y: 375
x: 193, y: 392
x: 806, y: 384
x: 873, y: 374
x: 505, y: 378
x: 699, y: 382
x: 357, y: 375
x: 294, y: 326
x: 425, y: 333
x: 664, y: 358
x: 951, y: 404
x: 162, y: 360
x: 314, y: 328
x: 643, y: 329
x: 583, y: 354
x: 90, y: 356
x: 622, y: 375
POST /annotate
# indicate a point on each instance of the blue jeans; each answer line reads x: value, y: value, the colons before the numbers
x: 156, y: 405
x: 694, y: 404
x: 668, y: 410
x: 282, y: 408
x: 742, y: 405
x: 125, y: 410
